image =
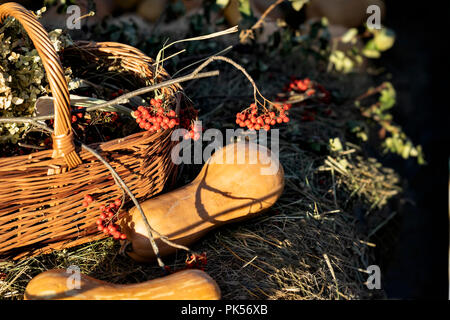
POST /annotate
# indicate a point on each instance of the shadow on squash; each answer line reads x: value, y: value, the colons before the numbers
x: 221, y: 194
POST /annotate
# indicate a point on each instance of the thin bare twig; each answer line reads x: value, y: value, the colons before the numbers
x: 204, y: 37
x: 220, y: 53
x: 371, y: 91
x: 245, y: 34
x: 123, y: 185
x: 256, y: 91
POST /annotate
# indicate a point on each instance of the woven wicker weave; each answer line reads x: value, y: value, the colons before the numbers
x: 41, y: 193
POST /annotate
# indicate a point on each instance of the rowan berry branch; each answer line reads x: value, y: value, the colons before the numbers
x: 192, y: 76
x: 256, y: 91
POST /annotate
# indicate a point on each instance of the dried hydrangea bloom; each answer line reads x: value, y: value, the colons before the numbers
x: 22, y: 76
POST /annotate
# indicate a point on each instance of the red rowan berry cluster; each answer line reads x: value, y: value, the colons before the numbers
x: 309, y: 87
x: 78, y: 115
x: 156, y: 117
x: 253, y: 120
x: 305, y: 85
x: 188, y: 117
x: 193, y: 133
x: 196, y: 261
x: 108, y: 218
x: 114, y: 116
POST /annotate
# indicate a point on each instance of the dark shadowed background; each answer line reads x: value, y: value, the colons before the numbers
x: 419, y: 64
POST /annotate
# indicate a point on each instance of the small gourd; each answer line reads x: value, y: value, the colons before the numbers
x: 58, y: 284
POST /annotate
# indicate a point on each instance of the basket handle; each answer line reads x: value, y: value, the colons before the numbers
x: 63, y: 145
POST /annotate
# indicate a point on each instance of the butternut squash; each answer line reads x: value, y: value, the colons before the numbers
x: 225, y: 191
x: 183, y: 285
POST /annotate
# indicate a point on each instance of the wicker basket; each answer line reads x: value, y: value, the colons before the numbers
x: 41, y: 193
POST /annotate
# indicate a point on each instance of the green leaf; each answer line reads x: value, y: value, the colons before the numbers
x: 362, y: 135
x: 387, y: 97
x: 388, y: 144
x: 370, y: 50
x: 222, y: 3
x: 398, y: 144
x: 406, y: 150
x: 348, y: 64
x: 349, y: 35
x: 384, y: 39
x: 335, y: 145
x: 245, y: 8
x: 297, y: 5
x: 420, y: 156
x: 341, y: 62
x: 359, y: 59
